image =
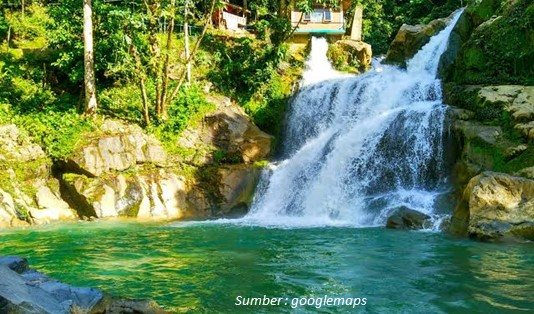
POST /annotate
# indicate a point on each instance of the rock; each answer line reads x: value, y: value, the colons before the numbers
x: 120, y: 147
x: 237, y: 186
x: 50, y: 207
x: 411, y: 38
x: 496, y: 206
x: 23, y: 290
x: 487, y: 139
x: 350, y: 55
x: 526, y: 172
x: 159, y: 194
x: 406, y: 218
x: 227, y: 131
x: 27, y: 193
x: 16, y: 146
x: 15, y: 263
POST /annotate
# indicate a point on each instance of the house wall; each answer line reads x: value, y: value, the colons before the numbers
x: 336, y: 23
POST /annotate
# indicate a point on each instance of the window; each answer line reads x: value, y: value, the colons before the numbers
x: 307, y: 17
x: 327, y: 16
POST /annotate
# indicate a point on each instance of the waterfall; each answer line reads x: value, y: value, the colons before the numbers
x: 358, y: 147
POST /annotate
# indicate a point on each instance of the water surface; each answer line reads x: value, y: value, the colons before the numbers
x: 203, y: 267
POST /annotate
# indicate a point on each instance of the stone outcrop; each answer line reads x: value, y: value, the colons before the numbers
x: 117, y: 147
x: 23, y: 290
x: 350, y: 55
x: 28, y: 195
x: 411, y: 38
x: 406, y: 218
x: 122, y: 172
x: 494, y: 130
x: 496, y: 206
x: 226, y: 134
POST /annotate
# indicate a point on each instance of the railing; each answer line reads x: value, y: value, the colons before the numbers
x: 233, y: 21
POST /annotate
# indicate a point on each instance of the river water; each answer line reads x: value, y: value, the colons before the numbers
x: 204, y: 267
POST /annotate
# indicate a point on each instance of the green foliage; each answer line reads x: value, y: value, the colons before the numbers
x: 257, y: 74
x: 28, y: 31
x: 4, y: 26
x: 187, y: 109
x: 502, y: 52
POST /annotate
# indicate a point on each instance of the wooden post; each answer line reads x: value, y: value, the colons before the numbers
x: 356, y: 30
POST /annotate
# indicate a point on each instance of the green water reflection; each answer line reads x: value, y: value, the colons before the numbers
x: 202, y: 268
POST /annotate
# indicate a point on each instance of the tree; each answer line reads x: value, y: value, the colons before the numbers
x: 89, y: 60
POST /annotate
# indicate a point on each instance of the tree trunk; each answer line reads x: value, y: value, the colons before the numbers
x: 192, y: 56
x: 152, y: 8
x: 89, y: 62
x: 186, y: 39
x: 142, y: 84
x: 166, y: 66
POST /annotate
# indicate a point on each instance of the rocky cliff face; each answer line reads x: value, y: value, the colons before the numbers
x: 493, y: 125
x: 28, y: 194
x: 120, y: 171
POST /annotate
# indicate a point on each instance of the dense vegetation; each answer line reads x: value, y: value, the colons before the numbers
x: 42, y: 68
x: 140, y: 65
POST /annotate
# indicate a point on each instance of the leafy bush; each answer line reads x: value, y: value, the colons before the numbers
x: 59, y: 133
x: 29, y: 31
x: 190, y: 105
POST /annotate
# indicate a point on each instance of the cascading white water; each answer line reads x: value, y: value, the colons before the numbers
x: 358, y: 147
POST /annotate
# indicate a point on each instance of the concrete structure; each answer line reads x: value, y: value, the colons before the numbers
x: 231, y: 16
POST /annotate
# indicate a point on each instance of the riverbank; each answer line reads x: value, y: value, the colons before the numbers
x: 24, y: 290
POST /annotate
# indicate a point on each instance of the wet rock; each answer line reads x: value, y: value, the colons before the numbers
x: 23, y: 290
x: 406, y: 218
x: 237, y: 187
x: 350, y: 55
x: 411, y: 38
x: 495, y: 206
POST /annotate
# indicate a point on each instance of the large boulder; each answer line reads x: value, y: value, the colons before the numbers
x: 237, y: 186
x: 23, y: 290
x: 411, y: 38
x: 165, y: 194
x: 496, y: 206
x: 406, y: 218
x: 226, y: 134
x: 116, y: 147
x: 350, y: 55
x: 28, y: 194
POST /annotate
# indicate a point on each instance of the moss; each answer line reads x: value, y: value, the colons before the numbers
x: 261, y: 164
x: 502, y: 50
x: 524, y: 160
